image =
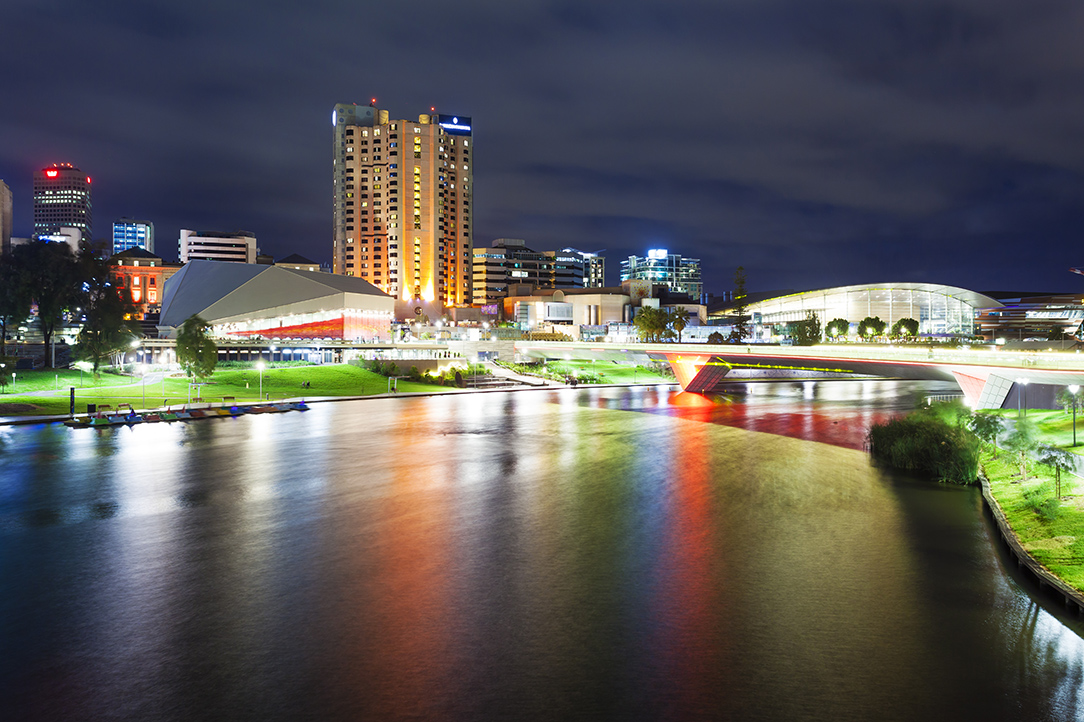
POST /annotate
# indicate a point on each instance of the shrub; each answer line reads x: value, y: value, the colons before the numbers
x: 926, y: 443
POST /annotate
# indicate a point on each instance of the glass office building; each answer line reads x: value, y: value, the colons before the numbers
x: 129, y: 233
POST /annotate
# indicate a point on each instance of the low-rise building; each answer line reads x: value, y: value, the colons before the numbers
x: 141, y: 276
x: 237, y: 247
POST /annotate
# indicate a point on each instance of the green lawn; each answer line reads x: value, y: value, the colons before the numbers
x: 1055, y: 427
x: 1059, y: 544
x: 242, y: 384
x: 607, y: 372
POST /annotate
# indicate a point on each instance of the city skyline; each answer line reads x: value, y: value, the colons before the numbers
x: 903, y: 141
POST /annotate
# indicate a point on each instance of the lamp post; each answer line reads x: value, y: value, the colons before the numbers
x: 1072, y: 390
x: 260, y: 365
x: 1023, y: 397
x: 3, y: 371
x: 143, y: 383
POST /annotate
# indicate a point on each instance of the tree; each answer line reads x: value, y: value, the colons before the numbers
x: 1059, y: 459
x: 651, y: 323
x: 1067, y: 399
x: 871, y: 327
x: 715, y: 337
x: 1022, y: 441
x: 106, y: 328
x: 837, y: 327
x: 196, y: 352
x: 53, y: 277
x: 807, y: 331
x: 740, y: 332
x: 679, y: 319
x: 987, y: 427
x: 15, y: 297
x: 905, y: 328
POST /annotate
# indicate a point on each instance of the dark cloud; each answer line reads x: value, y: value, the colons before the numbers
x: 813, y: 143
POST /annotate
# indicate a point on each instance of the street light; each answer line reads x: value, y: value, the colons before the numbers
x: 1023, y: 396
x: 143, y: 383
x: 1072, y: 390
x: 260, y: 365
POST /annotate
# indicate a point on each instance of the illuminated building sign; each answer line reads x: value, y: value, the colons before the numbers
x: 454, y: 124
x: 657, y: 254
x: 51, y: 173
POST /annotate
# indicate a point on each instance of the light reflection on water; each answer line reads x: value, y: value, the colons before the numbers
x: 527, y: 555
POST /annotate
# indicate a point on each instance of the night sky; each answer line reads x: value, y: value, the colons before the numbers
x: 815, y: 143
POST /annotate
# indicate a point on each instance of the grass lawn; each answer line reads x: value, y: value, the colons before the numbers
x: 1059, y: 544
x: 242, y: 384
x: 608, y: 372
x: 1055, y: 427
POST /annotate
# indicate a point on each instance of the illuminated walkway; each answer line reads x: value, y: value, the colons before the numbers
x: 985, y: 376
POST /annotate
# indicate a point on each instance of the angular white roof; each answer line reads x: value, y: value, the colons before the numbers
x: 221, y: 292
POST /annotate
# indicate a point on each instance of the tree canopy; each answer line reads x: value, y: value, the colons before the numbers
x: 15, y: 297
x: 54, y: 278
x: 196, y: 352
x: 871, y: 327
x: 740, y: 331
x: 904, y: 328
x: 837, y: 327
x: 106, y: 328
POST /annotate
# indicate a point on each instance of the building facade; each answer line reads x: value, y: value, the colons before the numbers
x: 402, y: 203
x: 129, y: 233
x: 62, y: 197
x: 511, y: 261
x: 236, y: 247
x: 679, y: 274
x: 140, y: 277
x: 940, y: 310
x: 5, y: 218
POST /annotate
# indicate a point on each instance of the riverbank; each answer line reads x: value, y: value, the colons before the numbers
x: 1050, y: 545
x: 44, y: 394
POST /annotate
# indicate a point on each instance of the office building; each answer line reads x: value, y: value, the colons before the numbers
x: 298, y: 263
x: 129, y: 233
x: 5, y: 218
x: 236, y: 247
x: 510, y: 261
x: 680, y: 275
x: 402, y: 203
x: 62, y: 198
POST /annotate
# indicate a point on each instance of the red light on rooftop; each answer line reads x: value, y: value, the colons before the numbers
x: 51, y: 173
x: 88, y: 180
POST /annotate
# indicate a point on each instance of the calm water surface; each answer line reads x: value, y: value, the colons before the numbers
x: 574, y: 554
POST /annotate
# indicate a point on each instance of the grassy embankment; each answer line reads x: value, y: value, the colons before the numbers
x: 242, y: 384
x: 1055, y: 427
x: 1049, y: 527
x: 1055, y: 540
x: 596, y: 372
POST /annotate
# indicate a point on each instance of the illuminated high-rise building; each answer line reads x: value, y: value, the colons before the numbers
x: 129, y: 233
x: 62, y: 198
x: 402, y: 203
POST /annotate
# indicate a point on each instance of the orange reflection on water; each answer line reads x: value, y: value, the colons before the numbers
x: 407, y: 644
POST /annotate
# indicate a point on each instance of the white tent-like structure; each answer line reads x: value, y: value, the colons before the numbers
x: 242, y: 300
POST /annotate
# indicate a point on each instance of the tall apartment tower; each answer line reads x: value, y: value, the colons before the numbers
x: 129, y: 233
x: 5, y: 218
x: 62, y: 198
x: 403, y: 192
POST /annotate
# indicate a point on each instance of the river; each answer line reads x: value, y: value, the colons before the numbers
x: 570, y: 554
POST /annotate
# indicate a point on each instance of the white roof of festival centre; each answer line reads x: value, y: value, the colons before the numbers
x: 221, y: 292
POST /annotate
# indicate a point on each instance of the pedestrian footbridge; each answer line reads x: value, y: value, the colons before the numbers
x: 985, y: 375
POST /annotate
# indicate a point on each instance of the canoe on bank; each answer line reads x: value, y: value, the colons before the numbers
x: 129, y: 417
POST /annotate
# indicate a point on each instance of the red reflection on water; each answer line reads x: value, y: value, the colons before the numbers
x: 797, y: 417
x: 689, y: 631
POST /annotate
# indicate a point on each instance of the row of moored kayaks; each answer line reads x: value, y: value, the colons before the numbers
x: 125, y: 415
